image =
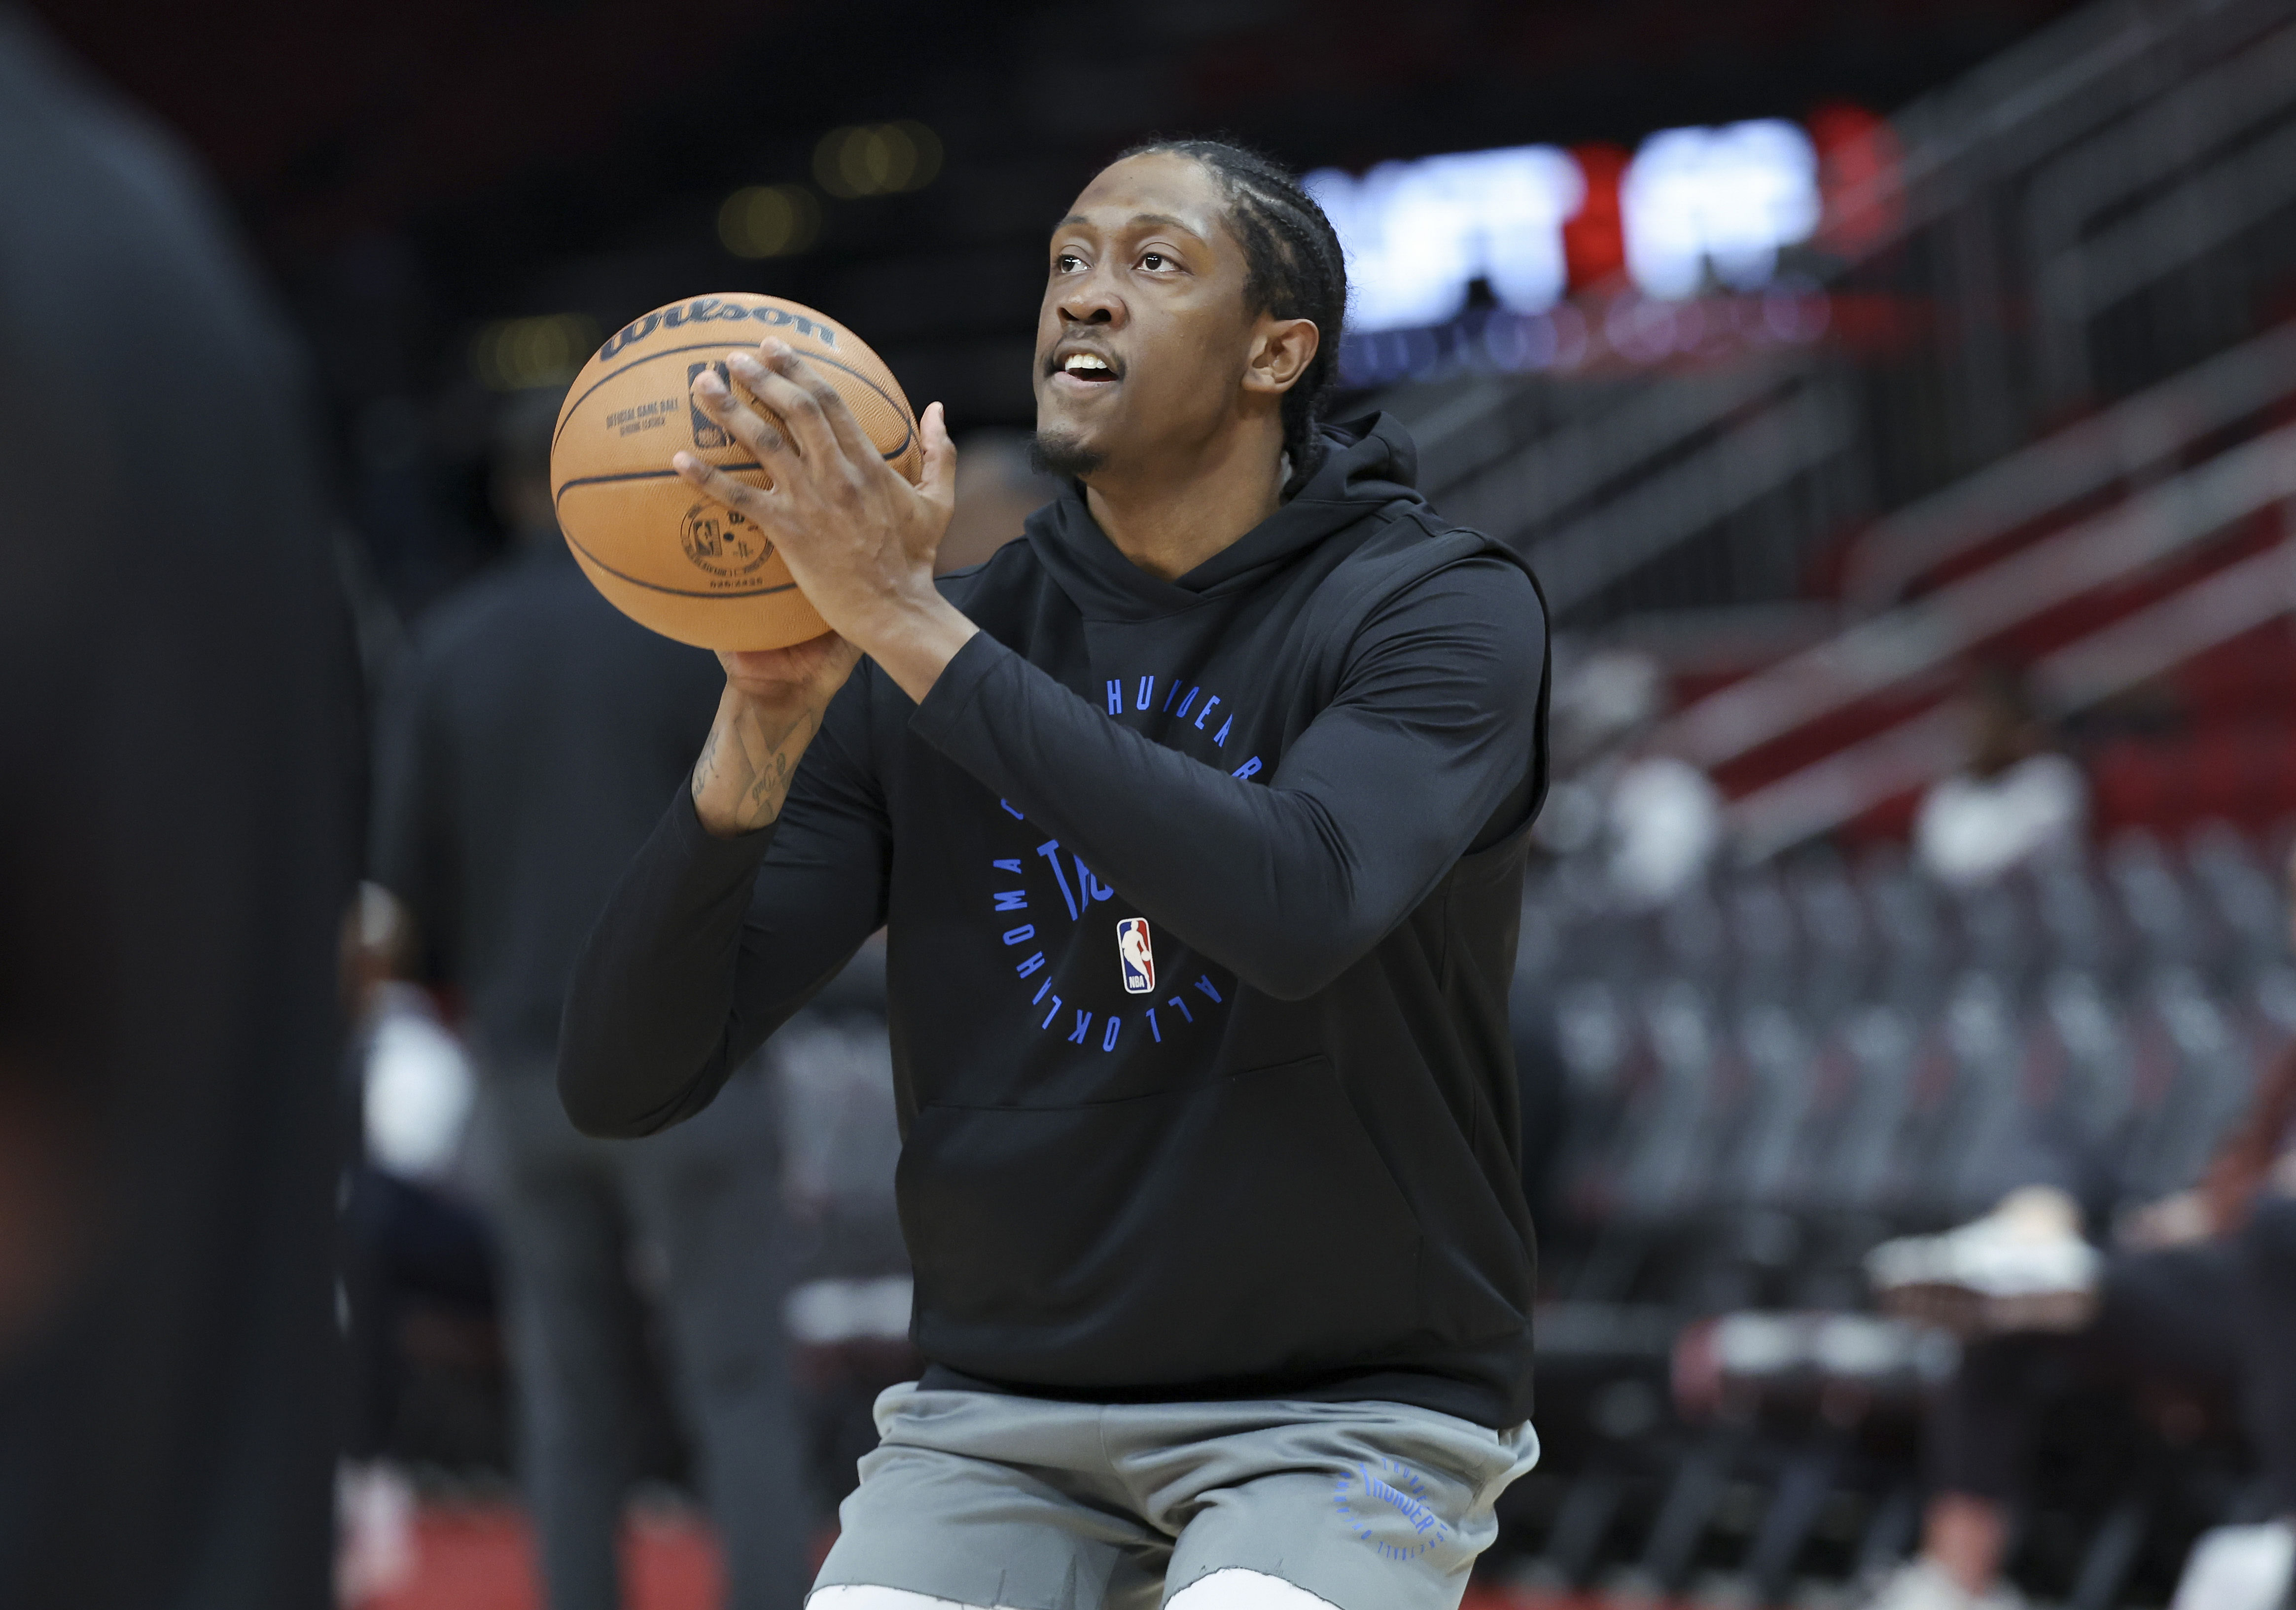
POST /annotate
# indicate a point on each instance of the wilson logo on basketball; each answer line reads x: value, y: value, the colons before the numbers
x: 722, y: 542
x: 710, y: 309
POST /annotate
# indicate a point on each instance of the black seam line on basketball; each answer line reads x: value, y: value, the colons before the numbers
x: 674, y: 592
x: 566, y: 412
x: 591, y: 481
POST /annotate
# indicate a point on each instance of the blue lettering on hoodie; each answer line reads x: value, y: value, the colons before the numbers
x: 1079, y: 961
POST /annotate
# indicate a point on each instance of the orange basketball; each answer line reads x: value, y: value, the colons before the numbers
x: 661, y: 553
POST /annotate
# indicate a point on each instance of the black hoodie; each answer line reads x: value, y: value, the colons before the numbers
x: 1202, y: 899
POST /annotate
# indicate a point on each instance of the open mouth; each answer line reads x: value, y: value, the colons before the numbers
x: 1086, y: 369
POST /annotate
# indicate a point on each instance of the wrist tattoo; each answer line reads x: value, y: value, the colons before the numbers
x: 749, y: 761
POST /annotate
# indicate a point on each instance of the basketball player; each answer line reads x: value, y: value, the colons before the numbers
x: 1223, y: 1269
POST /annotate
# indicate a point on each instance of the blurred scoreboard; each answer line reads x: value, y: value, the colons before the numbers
x: 1690, y: 209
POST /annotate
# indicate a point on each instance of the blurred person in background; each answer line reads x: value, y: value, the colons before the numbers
x: 414, y: 1244
x: 997, y: 488
x: 527, y: 752
x: 1652, y: 819
x: 2014, y: 800
x: 2199, y: 1291
x: 181, y: 762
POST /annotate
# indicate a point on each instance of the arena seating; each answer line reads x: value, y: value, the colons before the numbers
x: 1795, y: 1062
x: 2064, y: 447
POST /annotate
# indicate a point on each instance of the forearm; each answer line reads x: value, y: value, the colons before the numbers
x: 645, y: 1040
x: 2246, y: 1157
x: 1285, y: 880
x: 914, y: 637
x: 743, y: 775
x: 767, y: 715
x: 709, y: 943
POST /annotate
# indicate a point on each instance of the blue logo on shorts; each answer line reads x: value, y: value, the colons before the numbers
x: 1388, y: 1509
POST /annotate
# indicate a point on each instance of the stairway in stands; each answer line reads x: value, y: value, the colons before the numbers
x: 2146, y: 550
x: 2059, y: 432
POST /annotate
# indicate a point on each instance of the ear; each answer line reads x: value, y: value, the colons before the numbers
x: 1281, y: 349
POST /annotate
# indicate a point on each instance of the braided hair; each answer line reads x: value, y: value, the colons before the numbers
x: 1293, y: 268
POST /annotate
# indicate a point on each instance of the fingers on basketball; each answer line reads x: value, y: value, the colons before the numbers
x: 716, y: 484
x: 829, y: 405
x: 719, y: 400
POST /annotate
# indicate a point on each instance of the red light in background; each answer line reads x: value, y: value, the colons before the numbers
x: 1594, y: 240
x: 1859, y: 163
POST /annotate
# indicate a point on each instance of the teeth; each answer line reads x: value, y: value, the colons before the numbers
x: 1083, y: 360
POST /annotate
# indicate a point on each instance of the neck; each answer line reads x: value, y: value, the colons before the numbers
x: 1168, y: 521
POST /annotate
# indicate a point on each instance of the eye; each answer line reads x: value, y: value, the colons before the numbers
x: 1152, y: 259
x: 1066, y: 262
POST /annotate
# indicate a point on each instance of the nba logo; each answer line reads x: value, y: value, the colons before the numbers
x: 1139, y: 959
x: 707, y: 432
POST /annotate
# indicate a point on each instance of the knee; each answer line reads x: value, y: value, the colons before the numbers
x: 1235, y: 1588
x: 859, y: 1597
x: 2267, y: 1242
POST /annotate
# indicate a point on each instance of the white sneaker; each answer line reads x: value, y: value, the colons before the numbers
x: 2239, y: 1568
x: 1923, y: 1586
x: 2022, y: 1266
x: 1919, y: 1585
x: 376, y: 1551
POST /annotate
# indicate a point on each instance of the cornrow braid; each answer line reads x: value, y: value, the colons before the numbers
x: 1294, y: 268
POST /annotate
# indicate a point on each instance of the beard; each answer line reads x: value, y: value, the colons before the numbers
x: 1062, y: 454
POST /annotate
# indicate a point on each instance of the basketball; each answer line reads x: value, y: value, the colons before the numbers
x: 660, y: 552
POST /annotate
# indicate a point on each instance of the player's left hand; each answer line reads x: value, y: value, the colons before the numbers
x: 858, y: 539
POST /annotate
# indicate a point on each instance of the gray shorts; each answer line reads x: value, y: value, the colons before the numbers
x: 1034, y: 1504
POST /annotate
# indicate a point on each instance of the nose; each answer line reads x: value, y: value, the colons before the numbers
x: 1091, y: 299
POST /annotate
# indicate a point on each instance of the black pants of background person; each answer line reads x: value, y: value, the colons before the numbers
x: 2220, y: 1317
x: 701, y: 1204
x: 407, y: 1245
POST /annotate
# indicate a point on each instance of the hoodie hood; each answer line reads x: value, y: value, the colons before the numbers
x: 1369, y: 464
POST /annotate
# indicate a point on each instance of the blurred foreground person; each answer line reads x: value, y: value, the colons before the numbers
x: 527, y: 753
x: 180, y: 759
x: 2014, y: 799
x: 2199, y: 1290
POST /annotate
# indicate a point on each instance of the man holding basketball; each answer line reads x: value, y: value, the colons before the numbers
x: 1223, y: 1267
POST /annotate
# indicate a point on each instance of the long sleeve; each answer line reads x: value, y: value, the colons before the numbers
x: 711, y: 944
x: 1291, y: 876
